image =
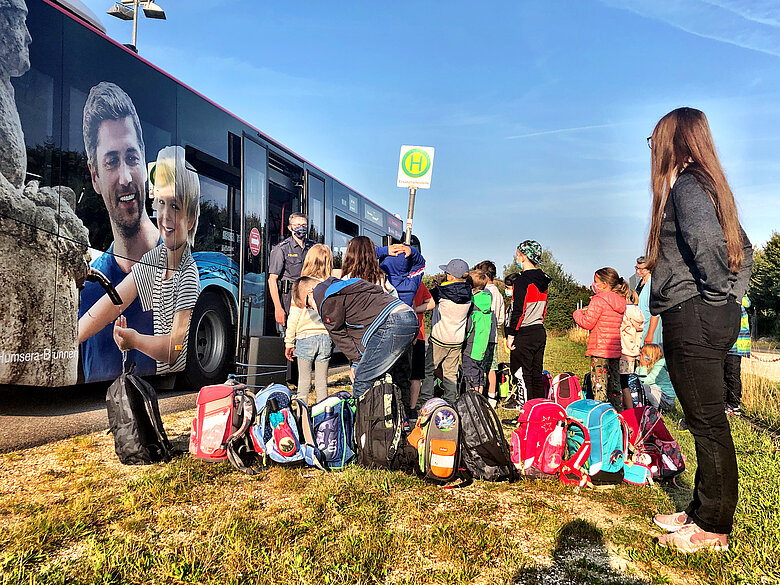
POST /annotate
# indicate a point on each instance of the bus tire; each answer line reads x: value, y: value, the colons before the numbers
x: 210, y: 347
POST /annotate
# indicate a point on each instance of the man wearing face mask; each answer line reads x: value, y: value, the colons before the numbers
x: 285, y: 266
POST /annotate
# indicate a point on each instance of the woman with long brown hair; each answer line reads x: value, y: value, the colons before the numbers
x: 700, y: 258
x: 360, y: 262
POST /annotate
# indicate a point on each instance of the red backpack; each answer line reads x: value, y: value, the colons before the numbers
x: 566, y: 389
x: 538, y: 443
x: 650, y: 443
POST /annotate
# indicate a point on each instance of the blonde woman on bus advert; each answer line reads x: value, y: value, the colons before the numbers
x: 701, y: 259
x: 165, y: 280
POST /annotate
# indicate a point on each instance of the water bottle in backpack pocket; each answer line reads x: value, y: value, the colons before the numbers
x: 333, y: 422
x: 436, y: 437
x: 538, y: 442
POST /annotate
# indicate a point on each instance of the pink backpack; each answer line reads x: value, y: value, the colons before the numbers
x: 538, y: 443
x: 650, y: 443
x: 566, y: 389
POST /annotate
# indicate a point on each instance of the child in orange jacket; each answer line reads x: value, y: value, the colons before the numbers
x: 603, y: 318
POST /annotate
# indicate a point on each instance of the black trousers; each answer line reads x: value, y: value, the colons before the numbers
x: 732, y: 376
x: 696, y: 338
x: 401, y: 373
x: 528, y: 355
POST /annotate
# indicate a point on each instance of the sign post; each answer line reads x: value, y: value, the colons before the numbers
x: 415, y: 168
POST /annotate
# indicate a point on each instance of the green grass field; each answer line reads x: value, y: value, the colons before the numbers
x: 70, y: 513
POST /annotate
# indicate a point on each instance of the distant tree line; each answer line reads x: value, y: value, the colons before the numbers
x: 764, y: 291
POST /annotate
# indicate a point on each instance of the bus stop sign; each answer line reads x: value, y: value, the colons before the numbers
x: 415, y: 167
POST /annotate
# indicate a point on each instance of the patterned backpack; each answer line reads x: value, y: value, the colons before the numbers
x: 282, y: 430
x: 333, y: 421
x: 436, y: 437
x: 607, y: 434
x: 650, y: 443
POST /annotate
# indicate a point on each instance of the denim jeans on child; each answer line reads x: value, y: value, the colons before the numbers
x: 313, y: 350
x: 384, y: 347
x: 696, y: 338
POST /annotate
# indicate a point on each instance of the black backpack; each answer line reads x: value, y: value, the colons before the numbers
x: 379, y: 431
x: 134, y: 419
x: 484, y: 451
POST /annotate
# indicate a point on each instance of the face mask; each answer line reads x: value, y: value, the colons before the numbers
x: 593, y: 286
x: 520, y: 266
x: 300, y: 231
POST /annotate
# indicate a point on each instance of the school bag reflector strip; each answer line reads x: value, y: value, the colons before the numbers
x: 565, y: 389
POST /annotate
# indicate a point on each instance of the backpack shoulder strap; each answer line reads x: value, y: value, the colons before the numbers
x: 152, y: 409
x: 575, y: 465
x: 311, y: 453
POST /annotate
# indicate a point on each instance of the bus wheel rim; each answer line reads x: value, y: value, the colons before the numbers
x: 210, y: 341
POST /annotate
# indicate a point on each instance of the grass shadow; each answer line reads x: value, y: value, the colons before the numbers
x: 581, y: 556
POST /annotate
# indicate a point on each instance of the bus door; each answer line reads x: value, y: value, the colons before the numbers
x: 285, y: 190
x: 263, y: 354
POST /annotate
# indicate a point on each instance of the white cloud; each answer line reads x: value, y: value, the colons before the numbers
x: 751, y: 25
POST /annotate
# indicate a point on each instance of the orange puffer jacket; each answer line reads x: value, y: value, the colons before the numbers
x: 603, y: 317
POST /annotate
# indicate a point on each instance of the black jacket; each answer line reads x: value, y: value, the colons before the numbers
x: 692, y: 257
x: 351, y: 311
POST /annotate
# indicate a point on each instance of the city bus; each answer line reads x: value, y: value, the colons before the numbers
x: 82, y: 120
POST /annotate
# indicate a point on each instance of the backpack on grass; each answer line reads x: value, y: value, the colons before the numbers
x: 333, y: 421
x: 436, y: 438
x: 650, y: 443
x: 282, y: 430
x: 484, y: 451
x: 538, y: 442
x: 134, y: 420
x: 220, y: 429
x: 379, y: 433
x: 601, y: 427
x: 565, y: 389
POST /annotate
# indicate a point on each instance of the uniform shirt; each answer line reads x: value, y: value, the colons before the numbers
x: 167, y: 297
x: 286, y: 261
x: 101, y: 358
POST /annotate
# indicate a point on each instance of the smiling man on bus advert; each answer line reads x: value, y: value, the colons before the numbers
x: 116, y: 159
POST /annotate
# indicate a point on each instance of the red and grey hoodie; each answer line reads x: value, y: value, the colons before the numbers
x: 529, y: 300
x: 352, y: 310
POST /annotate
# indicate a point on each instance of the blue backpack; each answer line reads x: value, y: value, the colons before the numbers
x: 282, y: 430
x: 333, y: 422
x: 598, y: 424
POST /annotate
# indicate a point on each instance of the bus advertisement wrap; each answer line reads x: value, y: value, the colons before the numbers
x: 138, y: 216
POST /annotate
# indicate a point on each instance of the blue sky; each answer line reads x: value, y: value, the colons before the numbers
x: 538, y: 110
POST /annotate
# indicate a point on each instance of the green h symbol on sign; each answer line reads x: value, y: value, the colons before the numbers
x: 416, y: 163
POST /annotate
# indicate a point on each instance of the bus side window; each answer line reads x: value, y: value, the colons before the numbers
x: 344, y: 232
